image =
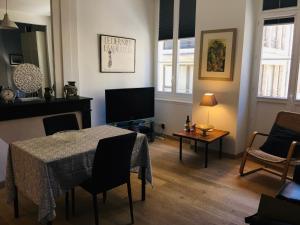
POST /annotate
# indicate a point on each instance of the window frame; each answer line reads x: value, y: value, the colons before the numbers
x: 173, y: 95
x: 294, y: 68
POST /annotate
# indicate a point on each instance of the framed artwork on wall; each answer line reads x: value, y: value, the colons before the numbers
x: 217, y: 54
x: 117, y: 54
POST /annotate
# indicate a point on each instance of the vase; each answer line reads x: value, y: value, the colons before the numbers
x: 70, y: 90
x: 48, y: 94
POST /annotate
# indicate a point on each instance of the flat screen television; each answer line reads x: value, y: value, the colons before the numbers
x: 129, y: 104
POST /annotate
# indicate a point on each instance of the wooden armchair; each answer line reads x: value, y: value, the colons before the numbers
x: 287, y: 120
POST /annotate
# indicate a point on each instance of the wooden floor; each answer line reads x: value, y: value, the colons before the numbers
x: 183, y: 193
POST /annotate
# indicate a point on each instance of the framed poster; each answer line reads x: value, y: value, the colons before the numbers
x: 117, y: 54
x: 217, y: 54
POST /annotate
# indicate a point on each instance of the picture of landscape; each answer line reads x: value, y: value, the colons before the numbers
x: 216, y: 55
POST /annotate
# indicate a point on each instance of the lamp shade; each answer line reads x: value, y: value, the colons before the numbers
x: 208, y: 99
x: 7, y: 23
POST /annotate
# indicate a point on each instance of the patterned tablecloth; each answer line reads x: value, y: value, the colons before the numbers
x: 45, y: 168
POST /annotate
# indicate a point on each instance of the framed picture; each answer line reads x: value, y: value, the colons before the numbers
x: 217, y: 54
x: 117, y: 54
x: 15, y: 59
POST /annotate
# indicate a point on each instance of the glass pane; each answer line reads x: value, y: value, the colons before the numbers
x: 164, y: 73
x: 185, y: 67
x: 276, y: 60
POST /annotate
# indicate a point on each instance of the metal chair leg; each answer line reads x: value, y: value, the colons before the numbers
x: 73, y: 200
x: 130, y: 201
x: 95, y: 203
x: 16, y: 203
x: 67, y: 205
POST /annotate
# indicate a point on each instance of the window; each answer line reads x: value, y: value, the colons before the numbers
x: 165, y: 62
x: 276, y: 56
x: 185, y: 68
x: 277, y: 4
x: 175, y: 68
x: 298, y: 84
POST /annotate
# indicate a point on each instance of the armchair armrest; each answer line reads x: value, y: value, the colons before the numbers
x: 292, y: 150
x: 253, y: 136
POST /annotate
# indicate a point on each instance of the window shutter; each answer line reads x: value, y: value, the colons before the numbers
x: 279, y: 21
x: 166, y: 16
x: 277, y: 4
x: 187, y: 17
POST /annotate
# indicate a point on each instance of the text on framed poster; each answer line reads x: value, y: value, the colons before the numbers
x: 117, y: 54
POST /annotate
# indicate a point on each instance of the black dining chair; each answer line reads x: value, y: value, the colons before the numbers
x: 111, y: 168
x: 59, y: 123
x: 56, y: 124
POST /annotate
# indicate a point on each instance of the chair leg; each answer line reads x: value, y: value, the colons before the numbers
x: 16, y: 203
x: 243, y: 163
x: 73, y: 200
x: 104, y: 196
x: 95, y: 203
x: 67, y: 205
x: 130, y: 201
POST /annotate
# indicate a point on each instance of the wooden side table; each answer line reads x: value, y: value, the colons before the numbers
x: 196, y: 136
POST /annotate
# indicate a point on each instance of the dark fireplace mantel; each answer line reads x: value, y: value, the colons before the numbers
x: 20, y: 110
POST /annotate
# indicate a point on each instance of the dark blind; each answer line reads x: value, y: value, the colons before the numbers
x: 187, y: 17
x: 277, y: 4
x: 166, y: 15
x: 279, y: 21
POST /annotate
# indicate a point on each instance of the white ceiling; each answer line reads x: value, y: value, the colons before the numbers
x: 35, y: 7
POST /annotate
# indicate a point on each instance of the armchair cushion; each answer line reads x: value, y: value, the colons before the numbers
x: 279, y: 141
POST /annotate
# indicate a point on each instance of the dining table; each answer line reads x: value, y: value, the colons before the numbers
x: 44, y: 168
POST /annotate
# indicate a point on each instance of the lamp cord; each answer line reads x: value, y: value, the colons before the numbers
x: 208, y: 117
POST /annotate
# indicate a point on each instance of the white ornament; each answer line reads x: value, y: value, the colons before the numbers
x: 28, y: 78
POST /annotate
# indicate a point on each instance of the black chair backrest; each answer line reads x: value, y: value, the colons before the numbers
x: 111, y: 166
x: 59, y: 123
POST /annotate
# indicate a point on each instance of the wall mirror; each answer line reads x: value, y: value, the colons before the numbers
x: 30, y: 43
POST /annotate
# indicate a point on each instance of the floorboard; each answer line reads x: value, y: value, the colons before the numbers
x: 182, y: 193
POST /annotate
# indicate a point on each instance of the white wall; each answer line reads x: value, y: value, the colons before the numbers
x: 246, y: 75
x: 172, y: 114
x: 127, y: 18
x: 231, y: 112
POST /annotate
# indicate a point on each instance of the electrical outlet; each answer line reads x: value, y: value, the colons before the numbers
x: 163, y: 126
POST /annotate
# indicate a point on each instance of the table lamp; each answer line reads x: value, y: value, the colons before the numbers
x: 208, y: 99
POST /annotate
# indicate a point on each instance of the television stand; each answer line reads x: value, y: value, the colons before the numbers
x: 142, y: 126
